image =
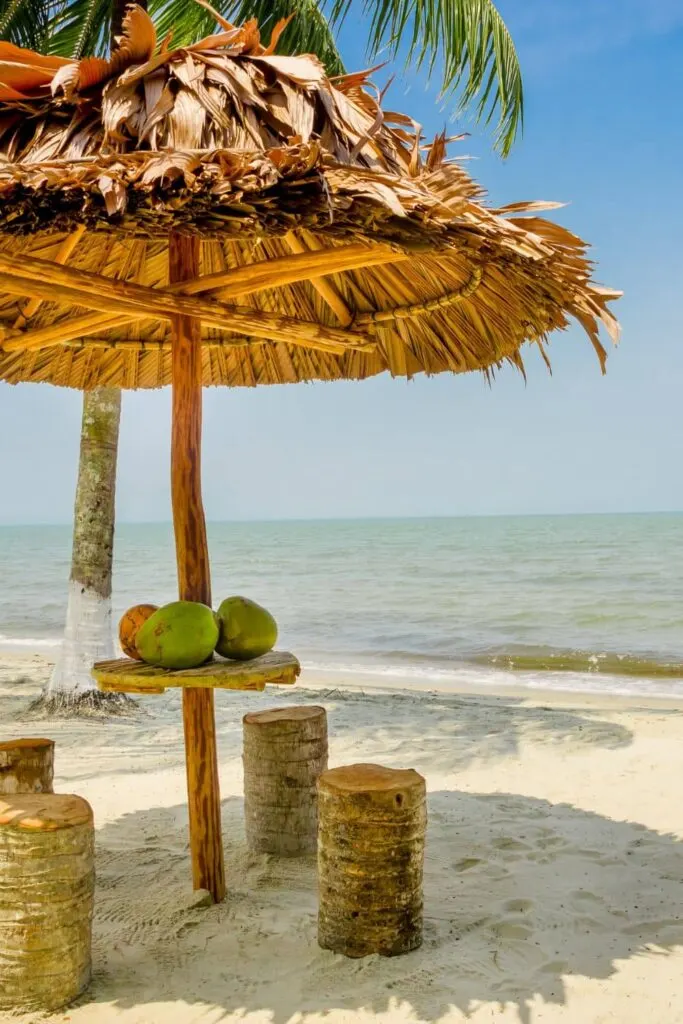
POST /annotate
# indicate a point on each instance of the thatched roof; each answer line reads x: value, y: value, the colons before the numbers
x: 337, y: 244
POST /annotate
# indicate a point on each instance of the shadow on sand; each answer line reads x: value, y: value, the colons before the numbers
x: 395, y: 728
x: 407, y: 728
x: 519, y: 894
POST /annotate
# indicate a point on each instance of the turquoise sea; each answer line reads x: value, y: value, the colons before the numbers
x: 566, y: 602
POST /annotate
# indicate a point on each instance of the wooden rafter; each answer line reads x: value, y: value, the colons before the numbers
x: 163, y: 345
x: 47, y: 280
x: 62, y: 256
x: 411, y: 310
x: 325, y: 289
x: 242, y: 281
x: 284, y: 270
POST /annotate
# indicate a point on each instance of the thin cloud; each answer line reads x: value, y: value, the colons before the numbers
x: 550, y: 35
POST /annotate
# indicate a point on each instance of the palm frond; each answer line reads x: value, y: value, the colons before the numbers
x: 469, y: 38
x: 80, y: 27
x: 250, y: 149
x: 24, y: 22
x: 308, y: 32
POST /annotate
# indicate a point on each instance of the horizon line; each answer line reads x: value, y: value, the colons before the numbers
x: 369, y: 518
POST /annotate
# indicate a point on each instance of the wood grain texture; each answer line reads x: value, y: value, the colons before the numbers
x: 46, y: 901
x: 26, y: 766
x: 129, y: 688
x: 372, y: 823
x: 45, y: 279
x: 62, y: 256
x: 228, y: 284
x: 325, y: 288
x: 192, y: 552
x: 44, y: 812
x: 277, y: 668
x: 194, y: 576
x: 284, y: 754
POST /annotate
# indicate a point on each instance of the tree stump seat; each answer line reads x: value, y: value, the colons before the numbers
x: 26, y: 766
x: 285, y: 751
x: 46, y: 900
x: 371, y: 833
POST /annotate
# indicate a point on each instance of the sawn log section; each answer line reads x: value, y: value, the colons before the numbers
x: 279, y: 668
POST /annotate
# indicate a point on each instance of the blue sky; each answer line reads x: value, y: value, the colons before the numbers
x: 604, y: 87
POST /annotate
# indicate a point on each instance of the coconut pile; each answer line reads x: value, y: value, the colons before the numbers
x: 186, y: 634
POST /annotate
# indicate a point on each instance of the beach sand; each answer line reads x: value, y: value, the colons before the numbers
x: 553, y: 873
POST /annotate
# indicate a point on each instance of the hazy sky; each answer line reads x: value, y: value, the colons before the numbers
x: 604, y: 87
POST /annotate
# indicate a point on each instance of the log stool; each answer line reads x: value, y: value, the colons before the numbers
x: 371, y: 836
x: 46, y: 900
x: 26, y: 766
x: 285, y: 750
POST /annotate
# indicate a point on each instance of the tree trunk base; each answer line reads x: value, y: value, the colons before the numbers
x: 370, y: 859
x: 91, y: 704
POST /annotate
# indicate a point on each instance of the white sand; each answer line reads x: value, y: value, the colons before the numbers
x: 554, y: 867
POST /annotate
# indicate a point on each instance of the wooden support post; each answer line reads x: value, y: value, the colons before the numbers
x: 285, y: 751
x: 26, y: 766
x: 194, y: 579
x: 371, y: 836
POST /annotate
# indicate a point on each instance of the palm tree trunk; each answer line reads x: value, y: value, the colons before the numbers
x: 88, y: 636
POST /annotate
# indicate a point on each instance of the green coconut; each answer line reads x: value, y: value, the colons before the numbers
x: 246, y: 629
x: 182, y: 634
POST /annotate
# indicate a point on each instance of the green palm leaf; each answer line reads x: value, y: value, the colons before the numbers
x: 25, y: 22
x: 469, y: 39
x: 308, y: 32
x: 80, y: 28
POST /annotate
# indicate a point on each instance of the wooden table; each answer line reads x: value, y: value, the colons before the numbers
x: 127, y: 676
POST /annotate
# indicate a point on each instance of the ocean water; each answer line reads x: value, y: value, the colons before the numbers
x: 589, y: 603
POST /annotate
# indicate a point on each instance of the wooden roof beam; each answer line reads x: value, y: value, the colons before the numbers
x: 244, y: 280
x: 62, y: 256
x: 45, y: 279
x: 325, y: 289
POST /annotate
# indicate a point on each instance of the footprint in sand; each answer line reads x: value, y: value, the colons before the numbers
x: 584, y: 897
x: 511, y: 847
x: 467, y: 863
x: 551, y: 841
x: 512, y: 930
x: 518, y: 906
x: 515, y: 927
x: 555, y: 967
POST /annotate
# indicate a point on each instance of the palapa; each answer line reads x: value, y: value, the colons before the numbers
x: 219, y: 214
x: 335, y: 243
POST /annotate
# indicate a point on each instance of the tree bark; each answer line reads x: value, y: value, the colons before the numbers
x: 285, y: 752
x: 194, y: 575
x: 26, y: 766
x: 88, y: 632
x: 370, y: 860
x: 88, y: 636
x: 47, y: 881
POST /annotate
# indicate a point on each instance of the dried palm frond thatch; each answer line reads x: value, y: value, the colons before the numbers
x: 335, y: 242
